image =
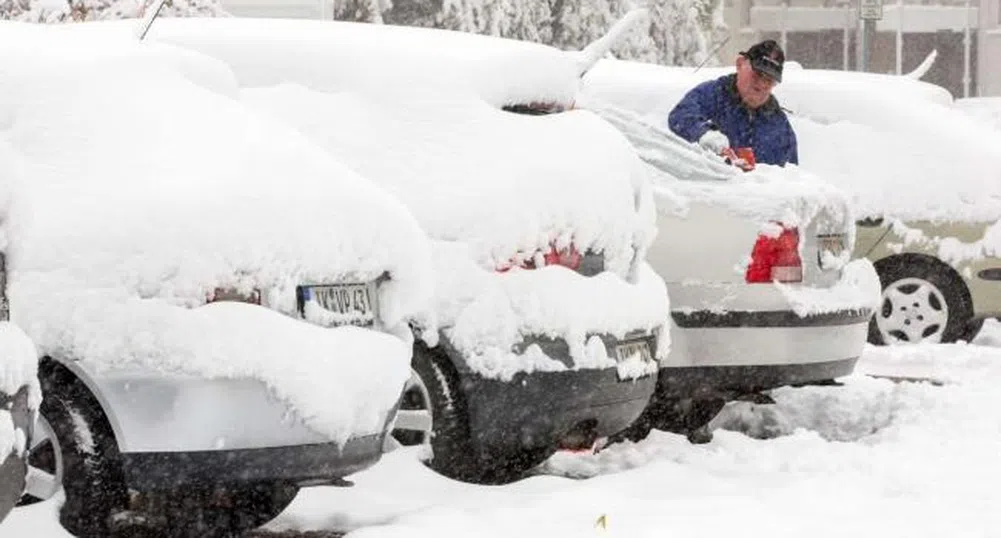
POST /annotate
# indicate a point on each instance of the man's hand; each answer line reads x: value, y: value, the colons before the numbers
x: 714, y: 141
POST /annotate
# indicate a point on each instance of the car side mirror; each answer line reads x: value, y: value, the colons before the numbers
x: 870, y: 222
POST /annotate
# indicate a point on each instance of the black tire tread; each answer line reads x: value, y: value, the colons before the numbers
x: 454, y: 453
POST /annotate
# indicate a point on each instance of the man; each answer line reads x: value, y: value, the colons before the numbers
x: 739, y: 110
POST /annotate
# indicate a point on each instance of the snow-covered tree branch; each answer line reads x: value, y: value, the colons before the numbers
x: 52, y: 11
x: 680, y: 32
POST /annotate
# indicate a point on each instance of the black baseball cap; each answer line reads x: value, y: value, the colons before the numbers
x: 766, y: 58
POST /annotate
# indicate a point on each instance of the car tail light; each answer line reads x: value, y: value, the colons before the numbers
x: 776, y: 259
x: 232, y: 294
x: 568, y: 257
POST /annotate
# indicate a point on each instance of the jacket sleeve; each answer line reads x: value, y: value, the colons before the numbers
x: 692, y: 116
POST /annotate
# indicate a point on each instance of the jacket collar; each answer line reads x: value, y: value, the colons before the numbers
x: 770, y: 107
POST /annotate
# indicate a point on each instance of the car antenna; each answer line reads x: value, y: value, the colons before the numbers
x: 713, y: 53
x: 149, y: 17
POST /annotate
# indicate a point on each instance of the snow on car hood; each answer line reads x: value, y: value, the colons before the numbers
x: 683, y: 174
x: 895, y: 145
x: 145, y: 190
x: 18, y: 368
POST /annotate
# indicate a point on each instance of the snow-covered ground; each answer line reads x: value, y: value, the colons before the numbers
x: 873, y: 457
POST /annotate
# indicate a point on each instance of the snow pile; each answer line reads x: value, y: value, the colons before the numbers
x: 985, y: 109
x: 488, y: 315
x: 18, y: 369
x: 363, y: 57
x: 896, y: 145
x: 858, y: 286
x: 149, y: 187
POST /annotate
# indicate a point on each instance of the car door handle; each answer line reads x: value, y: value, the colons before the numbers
x: 870, y: 222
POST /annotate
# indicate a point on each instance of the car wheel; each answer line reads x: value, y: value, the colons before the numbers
x: 685, y: 416
x: 413, y: 420
x: 13, y: 466
x: 74, y: 450
x: 453, y: 453
x: 923, y: 300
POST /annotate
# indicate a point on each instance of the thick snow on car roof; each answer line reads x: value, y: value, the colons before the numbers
x: 896, y: 145
x: 985, y: 109
x: 335, y: 56
x: 432, y: 98
x: 145, y: 187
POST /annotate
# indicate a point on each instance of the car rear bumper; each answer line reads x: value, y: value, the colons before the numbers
x: 12, y: 475
x: 323, y: 463
x: 13, y: 467
x: 544, y: 409
x: 758, y: 350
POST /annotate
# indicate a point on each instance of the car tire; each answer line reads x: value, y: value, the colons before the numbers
x: 923, y: 300
x: 90, y: 471
x: 684, y: 416
x: 453, y: 452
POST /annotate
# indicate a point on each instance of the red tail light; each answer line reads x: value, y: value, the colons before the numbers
x: 568, y: 257
x: 776, y: 259
x: 230, y: 294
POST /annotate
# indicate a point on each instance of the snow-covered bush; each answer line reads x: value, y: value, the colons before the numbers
x: 51, y: 11
x: 680, y: 32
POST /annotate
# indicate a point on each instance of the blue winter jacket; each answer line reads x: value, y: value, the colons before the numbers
x: 716, y: 104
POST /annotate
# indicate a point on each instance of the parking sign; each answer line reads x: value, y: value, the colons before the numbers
x: 871, y: 10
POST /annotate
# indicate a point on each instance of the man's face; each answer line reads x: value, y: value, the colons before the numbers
x: 753, y: 87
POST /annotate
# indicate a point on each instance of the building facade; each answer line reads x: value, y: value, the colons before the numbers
x: 825, y: 34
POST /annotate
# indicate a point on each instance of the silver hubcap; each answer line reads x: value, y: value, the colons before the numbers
x: 913, y: 310
x: 413, y: 421
x: 45, y: 463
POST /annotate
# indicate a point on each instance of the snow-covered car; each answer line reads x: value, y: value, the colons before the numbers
x: 920, y: 175
x: 763, y: 293
x: 549, y: 314
x: 984, y: 109
x: 19, y: 399
x: 221, y: 308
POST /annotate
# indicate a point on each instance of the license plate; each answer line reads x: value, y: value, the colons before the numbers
x: 630, y: 350
x: 351, y: 304
x: 833, y: 243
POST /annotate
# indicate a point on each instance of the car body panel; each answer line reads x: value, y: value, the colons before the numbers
x: 954, y: 243
x: 13, y: 468
x: 150, y: 411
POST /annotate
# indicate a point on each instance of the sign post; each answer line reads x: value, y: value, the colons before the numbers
x: 869, y: 11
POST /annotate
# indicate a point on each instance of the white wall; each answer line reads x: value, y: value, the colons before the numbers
x: 989, y: 62
x: 294, y: 9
